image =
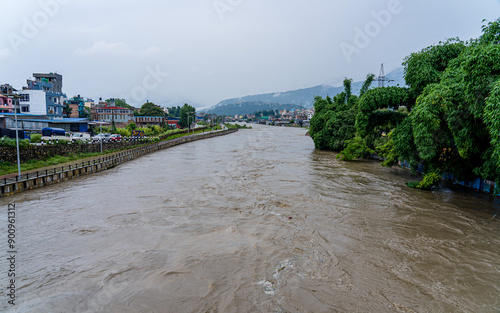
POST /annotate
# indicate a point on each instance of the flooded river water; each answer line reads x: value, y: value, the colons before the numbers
x: 256, y: 221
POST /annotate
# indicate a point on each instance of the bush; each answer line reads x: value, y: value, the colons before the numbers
x: 11, y: 142
x: 7, y: 142
x: 355, y: 149
x: 124, y: 132
x: 132, y: 126
x: 36, y: 138
x: 430, y: 181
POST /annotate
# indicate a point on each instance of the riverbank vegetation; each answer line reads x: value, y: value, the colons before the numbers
x: 447, y: 118
x: 237, y: 126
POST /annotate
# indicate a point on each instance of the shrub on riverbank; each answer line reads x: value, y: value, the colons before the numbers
x: 11, y: 142
x: 430, y: 181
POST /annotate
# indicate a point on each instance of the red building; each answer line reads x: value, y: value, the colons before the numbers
x: 142, y: 121
x: 174, y: 123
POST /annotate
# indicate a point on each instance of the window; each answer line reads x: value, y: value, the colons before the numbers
x: 24, y: 98
x: 25, y: 109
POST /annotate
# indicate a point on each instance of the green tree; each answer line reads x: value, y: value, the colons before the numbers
x: 150, y: 109
x: 131, y: 126
x: 174, y: 111
x: 333, y: 124
x: 184, y: 112
x: 122, y: 103
x: 67, y: 110
x: 427, y: 66
x: 85, y: 113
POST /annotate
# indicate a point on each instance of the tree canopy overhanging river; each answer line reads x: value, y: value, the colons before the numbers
x: 256, y: 221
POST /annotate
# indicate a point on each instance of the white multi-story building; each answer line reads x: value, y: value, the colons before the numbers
x: 43, y: 96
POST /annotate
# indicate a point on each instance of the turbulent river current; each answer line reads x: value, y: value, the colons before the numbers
x: 255, y: 221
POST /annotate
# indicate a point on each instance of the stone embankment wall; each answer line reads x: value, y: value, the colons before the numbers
x: 9, y: 154
x: 43, y: 178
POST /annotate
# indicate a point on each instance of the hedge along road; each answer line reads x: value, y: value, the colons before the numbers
x: 257, y: 221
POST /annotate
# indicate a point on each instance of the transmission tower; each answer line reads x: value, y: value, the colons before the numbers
x: 381, y: 79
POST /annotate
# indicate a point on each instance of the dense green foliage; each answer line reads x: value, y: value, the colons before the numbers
x: 36, y: 138
x: 333, y: 123
x: 67, y: 110
x: 430, y: 181
x: 446, y: 119
x: 174, y: 111
x: 187, y: 110
x: 237, y: 126
x: 11, y: 142
x: 122, y: 103
x: 150, y: 109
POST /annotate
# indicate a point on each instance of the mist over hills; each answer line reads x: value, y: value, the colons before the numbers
x: 293, y: 99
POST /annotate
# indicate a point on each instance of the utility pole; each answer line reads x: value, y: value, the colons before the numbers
x: 17, y: 136
x: 381, y: 79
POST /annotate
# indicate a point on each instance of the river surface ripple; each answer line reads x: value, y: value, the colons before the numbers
x: 256, y: 221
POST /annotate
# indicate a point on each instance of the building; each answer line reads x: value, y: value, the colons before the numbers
x: 35, y: 123
x: 5, y: 104
x: 74, y: 109
x: 120, y: 116
x: 77, y: 105
x: 7, y: 89
x: 54, y: 79
x: 89, y: 103
x: 173, y: 122
x: 310, y: 114
x: 12, y: 101
x: 43, y: 96
x: 142, y: 121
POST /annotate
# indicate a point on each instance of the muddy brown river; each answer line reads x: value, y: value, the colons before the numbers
x: 256, y: 221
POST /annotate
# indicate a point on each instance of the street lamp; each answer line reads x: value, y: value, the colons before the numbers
x: 100, y: 131
x: 188, y: 120
x: 17, y: 136
x: 215, y: 117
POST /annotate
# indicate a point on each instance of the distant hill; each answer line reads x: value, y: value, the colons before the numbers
x: 248, y: 107
x: 293, y: 99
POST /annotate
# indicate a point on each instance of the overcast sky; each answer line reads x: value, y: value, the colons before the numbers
x: 205, y: 51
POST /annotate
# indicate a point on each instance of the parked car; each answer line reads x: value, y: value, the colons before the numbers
x: 101, y: 137
x: 115, y: 137
x: 80, y: 136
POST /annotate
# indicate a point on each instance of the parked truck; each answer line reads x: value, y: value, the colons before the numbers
x: 50, y: 134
